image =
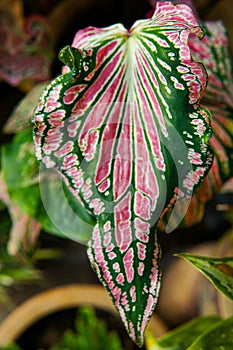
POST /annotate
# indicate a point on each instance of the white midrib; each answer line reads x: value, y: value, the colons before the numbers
x: 130, y: 66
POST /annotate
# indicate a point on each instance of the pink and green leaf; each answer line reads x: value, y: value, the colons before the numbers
x: 189, y: 3
x: 27, y: 53
x: 213, y: 51
x: 124, y: 127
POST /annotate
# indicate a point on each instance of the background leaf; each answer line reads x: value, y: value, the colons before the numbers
x: 26, y: 48
x: 20, y: 171
x: 20, y: 117
x: 90, y: 333
x: 182, y: 337
x: 29, y: 190
x: 218, y: 337
x: 218, y: 270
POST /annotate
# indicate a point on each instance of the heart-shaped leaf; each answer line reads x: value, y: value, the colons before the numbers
x: 124, y: 128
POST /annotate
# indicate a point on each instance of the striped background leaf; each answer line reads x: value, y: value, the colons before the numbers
x: 124, y: 127
x: 218, y: 270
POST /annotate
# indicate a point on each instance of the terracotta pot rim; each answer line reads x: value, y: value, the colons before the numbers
x: 56, y: 299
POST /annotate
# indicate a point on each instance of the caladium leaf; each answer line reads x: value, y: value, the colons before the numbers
x: 124, y: 128
x: 27, y: 52
x: 189, y: 3
x: 213, y: 51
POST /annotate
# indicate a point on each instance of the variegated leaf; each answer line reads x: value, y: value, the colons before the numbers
x: 218, y: 270
x: 26, y: 53
x: 189, y: 3
x: 213, y: 51
x: 124, y: 128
